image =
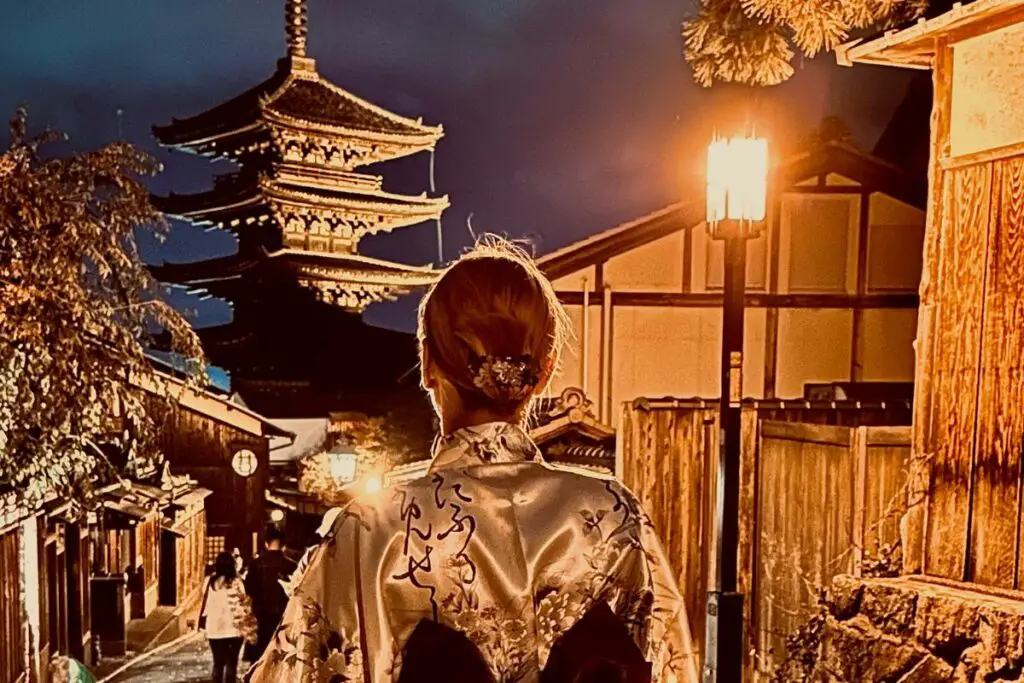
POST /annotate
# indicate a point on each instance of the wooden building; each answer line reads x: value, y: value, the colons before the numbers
x: 15, y: 661
x: 224, y: 446
x: 965, y: 521
x: 299, y: 204
x: 832, y: 289
x: 568, y: 433
x: 148, y: 550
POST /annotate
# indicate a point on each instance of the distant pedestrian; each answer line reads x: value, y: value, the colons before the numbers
x: 264, y: 583
x: 226, y: 616
x: 239, y: 562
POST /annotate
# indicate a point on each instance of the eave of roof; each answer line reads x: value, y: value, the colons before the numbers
x: 339, y: 267
x: 913, y: 47
x: 210, y: 404
x: 238, y: 194
x: 832, y: 157
x: 593, y: 249
x: 296, y: 95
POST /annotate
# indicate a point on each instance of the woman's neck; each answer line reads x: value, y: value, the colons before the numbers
x: 472, y: 418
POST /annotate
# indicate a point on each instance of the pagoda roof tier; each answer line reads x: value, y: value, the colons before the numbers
x: 315, y: 209
x: 306, y: 117
x: 350, y: 281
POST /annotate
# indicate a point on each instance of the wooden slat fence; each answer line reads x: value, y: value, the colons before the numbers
x: 829, y: 499
x: 674, y: 491
x: 807, y: 492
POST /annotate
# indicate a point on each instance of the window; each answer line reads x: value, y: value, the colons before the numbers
x: 214, y: 547
x: 820, y: 231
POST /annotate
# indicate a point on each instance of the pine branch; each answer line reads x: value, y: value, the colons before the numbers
x: 754, y: 41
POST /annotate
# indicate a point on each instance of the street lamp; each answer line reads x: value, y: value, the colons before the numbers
x: 342, y: 464
x: 737, y: 180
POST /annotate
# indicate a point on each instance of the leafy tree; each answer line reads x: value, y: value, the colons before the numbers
x: 753, y: 41
x: 77, y: 307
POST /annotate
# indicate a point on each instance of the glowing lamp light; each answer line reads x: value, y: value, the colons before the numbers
x: 276, y: 516
x: 373, y: 484
x: 737, y: 180
x: 342, y: 465
x: 244, y: 463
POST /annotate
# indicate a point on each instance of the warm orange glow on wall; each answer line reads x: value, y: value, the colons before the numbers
x: 737, y: 179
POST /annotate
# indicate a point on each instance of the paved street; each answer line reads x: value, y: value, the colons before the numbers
x: 189, y: 662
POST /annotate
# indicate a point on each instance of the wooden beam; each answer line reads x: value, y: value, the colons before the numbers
x: 857, y: 342
x: 753, y: 300
x: 830, y: 189
x: 950, y: 163
x: 771, y: 333
x: 915, y: 551
x: 989, y: 24
x: 688, y: 260
x: 860, y: 467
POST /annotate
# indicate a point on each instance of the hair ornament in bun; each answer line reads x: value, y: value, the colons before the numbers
x: 505, y: 377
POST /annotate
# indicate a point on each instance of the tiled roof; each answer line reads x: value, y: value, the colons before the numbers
x: 300, y: 96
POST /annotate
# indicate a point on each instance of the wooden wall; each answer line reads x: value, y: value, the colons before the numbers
x: 12, y: 623
x: 202, y: 448
x: 969, y: 411
x: 191, y: 555
x: 810, y: 486
x: 832, y: 285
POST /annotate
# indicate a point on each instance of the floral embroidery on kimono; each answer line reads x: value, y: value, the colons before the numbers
x: 493, y: 543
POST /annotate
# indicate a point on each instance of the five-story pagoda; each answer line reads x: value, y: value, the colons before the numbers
x: 298, y: 208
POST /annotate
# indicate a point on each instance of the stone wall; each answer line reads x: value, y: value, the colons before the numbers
x: 907, y: 631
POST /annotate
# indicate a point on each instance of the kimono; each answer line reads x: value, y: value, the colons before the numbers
x: 492, y: 543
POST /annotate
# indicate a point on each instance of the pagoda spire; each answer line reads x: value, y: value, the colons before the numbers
x: 295, y: 27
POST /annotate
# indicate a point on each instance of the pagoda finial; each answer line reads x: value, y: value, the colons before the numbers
x: 295, y: 27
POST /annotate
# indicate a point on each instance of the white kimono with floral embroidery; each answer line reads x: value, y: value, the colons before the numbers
x: 493, y: 543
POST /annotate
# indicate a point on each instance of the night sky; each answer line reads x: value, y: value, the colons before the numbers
x: 562, y: 117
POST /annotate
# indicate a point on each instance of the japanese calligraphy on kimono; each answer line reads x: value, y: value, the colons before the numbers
x: 493, y: 544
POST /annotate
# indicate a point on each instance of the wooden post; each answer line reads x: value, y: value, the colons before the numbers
x: 859, y: 447
x: 914, y: 527
x: 857, y: 342
x: 748, y: 530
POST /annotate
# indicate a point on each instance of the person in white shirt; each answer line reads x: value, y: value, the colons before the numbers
x: 226, y: 617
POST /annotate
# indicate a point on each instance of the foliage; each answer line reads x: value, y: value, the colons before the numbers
x: 802, y: 647
x: 831, y: 129
x: 754, y: 41
x: 887, y: 564
x: 77, y: 307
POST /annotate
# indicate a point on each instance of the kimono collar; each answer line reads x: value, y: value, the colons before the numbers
x: 487, y: 444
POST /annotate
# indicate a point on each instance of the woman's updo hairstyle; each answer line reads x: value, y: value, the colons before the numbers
x: 493, y: 326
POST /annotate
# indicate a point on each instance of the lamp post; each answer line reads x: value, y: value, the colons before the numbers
x: 737, y: 179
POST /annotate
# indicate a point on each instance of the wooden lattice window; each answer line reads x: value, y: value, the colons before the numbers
x: 214, y: 546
